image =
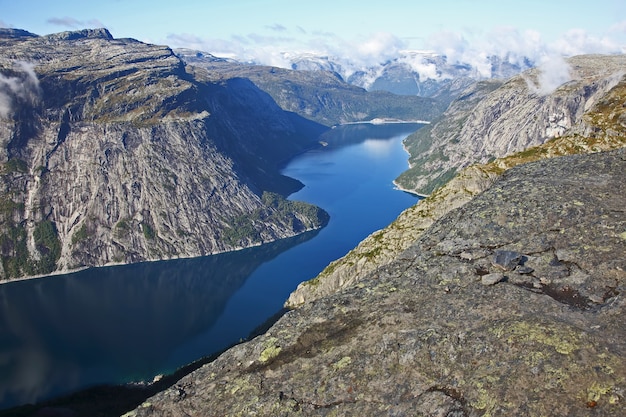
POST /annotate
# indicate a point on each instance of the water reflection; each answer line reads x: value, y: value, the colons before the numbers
x: 351, y: 134
x: 113, y: 324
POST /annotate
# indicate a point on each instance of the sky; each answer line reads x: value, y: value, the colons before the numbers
x: 365, y: 32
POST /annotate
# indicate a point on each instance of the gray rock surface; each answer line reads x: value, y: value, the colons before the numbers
x: 423, y: 336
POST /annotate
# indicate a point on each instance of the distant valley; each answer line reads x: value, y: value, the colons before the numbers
x: 501, y: 293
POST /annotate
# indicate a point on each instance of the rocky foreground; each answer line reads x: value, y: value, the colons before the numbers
x: 509, y: 305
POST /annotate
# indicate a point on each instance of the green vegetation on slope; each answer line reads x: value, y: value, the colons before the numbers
x: 298, y: 215
x: 16, y: 258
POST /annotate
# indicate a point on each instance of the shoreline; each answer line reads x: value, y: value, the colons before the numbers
x: 378, y: 121
x: 400, y: 188
x: 113, y: 264
x: 317, y: 145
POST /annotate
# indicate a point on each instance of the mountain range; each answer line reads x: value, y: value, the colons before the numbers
x: 501, y: 293
x: 419, y: 73
x: 117, y: 151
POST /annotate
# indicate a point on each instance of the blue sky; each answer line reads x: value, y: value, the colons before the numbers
x: 261, y: 30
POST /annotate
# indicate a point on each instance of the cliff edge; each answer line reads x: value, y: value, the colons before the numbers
x: 509, y: 305
x: 601, y: 127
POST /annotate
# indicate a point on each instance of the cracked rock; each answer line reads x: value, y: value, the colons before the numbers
x: 399, y: 344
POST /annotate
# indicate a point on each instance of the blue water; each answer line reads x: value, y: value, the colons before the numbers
x: 128, y: 323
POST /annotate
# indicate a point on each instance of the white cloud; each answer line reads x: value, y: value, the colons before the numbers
x: 378, y: 48
x: 68, y: 22
x: 578, y: 41
x: 22, y: 87
x: 276, y: 27
x: 366, y: 55
x: 476, y: 49
x: 71, y: 23
x: 420, y: 64
x: 451, y: 44
x: 554, y: 71
x: 515, y: 45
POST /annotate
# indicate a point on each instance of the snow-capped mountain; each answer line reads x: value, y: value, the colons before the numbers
x: 411, y: 73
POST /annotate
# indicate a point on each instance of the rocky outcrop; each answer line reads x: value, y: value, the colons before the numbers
x: 493, y: 119
x: 499, y: 294
x: 509, y: 305
x: 383, y: 246
x: 112, y: 151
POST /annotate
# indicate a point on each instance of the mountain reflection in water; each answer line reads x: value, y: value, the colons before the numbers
x: 128, y: 323
x: 63, y: 332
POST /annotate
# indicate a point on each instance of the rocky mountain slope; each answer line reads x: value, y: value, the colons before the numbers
x: 509, y: 305
x: 111, y: 151
x: 493, y: 119
x: 321, y: 96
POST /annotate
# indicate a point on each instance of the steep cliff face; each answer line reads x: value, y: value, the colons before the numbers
x: 112, y: 151
x: 499, y: 294
x: 494, y: 119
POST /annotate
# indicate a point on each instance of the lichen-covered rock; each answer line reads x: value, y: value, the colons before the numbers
x: 423, y: 336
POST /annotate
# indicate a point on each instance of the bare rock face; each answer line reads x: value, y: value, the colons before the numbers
x: 425, y: 335
x: 383, y: 246
x: 493, y: 119
x: 504, y: 306
x: 112, y: 151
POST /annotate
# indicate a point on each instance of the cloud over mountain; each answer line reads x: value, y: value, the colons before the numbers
x: 476, y: 49
x: 553, y: 72
x: 22, y: 87
x: 72, y: 23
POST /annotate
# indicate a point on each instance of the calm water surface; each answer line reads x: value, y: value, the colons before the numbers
x: 129, y: 323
